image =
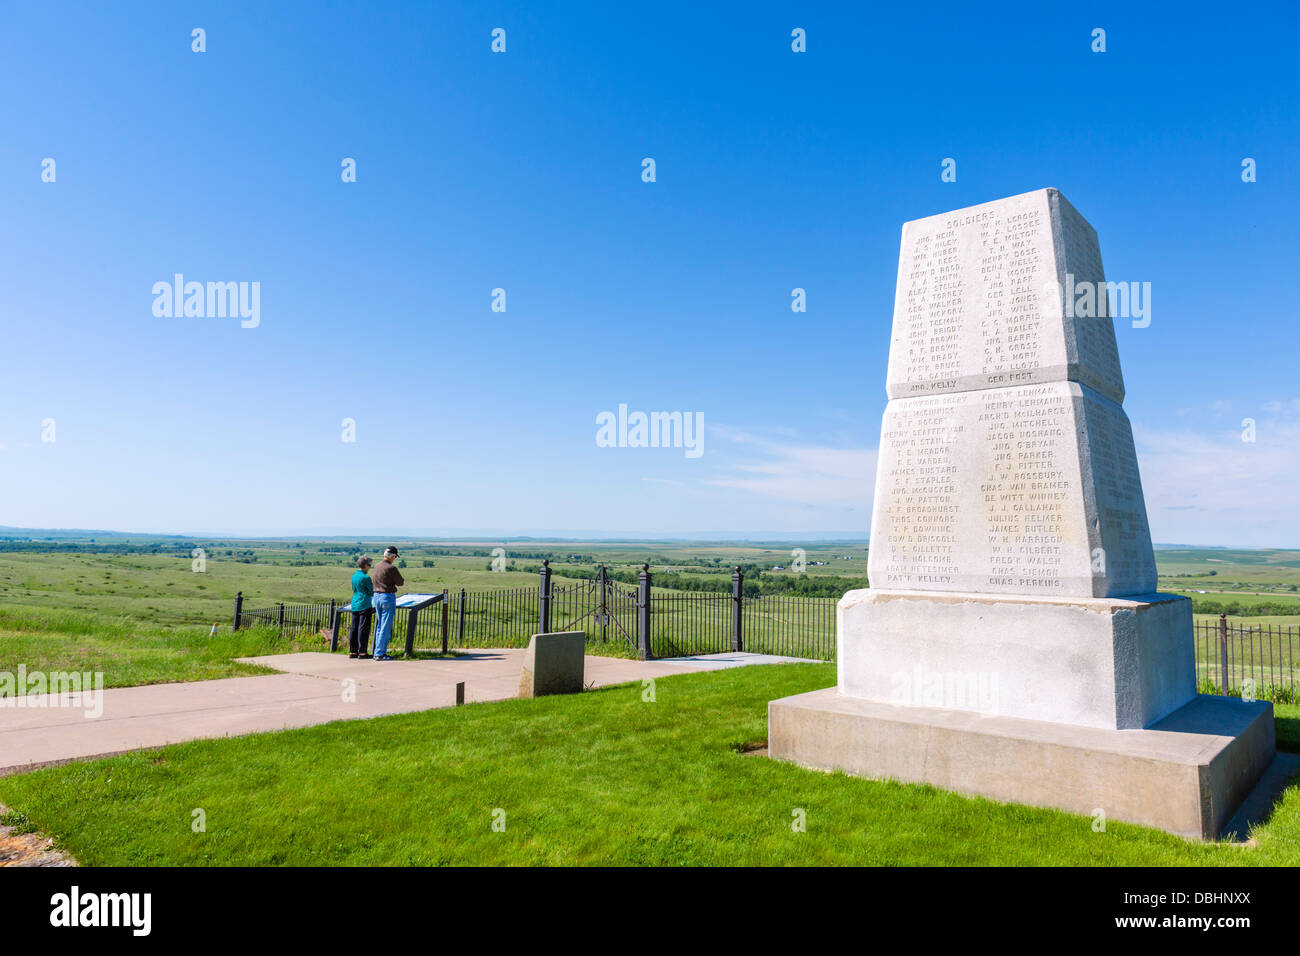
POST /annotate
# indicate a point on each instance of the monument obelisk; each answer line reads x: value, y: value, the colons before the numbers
x: 1012, y: 642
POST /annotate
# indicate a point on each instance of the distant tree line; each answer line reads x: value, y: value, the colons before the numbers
x: 1240, y: 609
x: 62, y: 547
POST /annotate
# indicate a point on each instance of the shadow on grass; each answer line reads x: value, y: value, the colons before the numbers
x: 419, y: 655
x: 1288, y: 733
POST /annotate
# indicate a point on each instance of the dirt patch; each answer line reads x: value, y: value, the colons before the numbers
x: 752, y: 748
x: 21, y: 848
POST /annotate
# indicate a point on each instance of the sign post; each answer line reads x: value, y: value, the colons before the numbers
x: 416, y: 603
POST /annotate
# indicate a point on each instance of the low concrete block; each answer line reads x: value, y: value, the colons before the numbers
x: 1187, y: 774
x: 553, y: 664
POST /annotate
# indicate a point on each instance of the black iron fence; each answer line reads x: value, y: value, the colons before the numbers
x: 791, y: 626
x: 1258, y: 660
x: 686, y: 623
x: 289, y: 618
x: 492, y: 617
x: 638, y: 620
x: 642, y: 621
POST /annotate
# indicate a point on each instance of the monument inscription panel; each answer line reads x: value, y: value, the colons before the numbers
x: 1006, y: 464
x: 981, y: 301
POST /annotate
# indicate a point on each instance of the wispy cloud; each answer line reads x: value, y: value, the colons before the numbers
x: 794, y: 472
x: 1203, y: 484
x: 1209, y: 486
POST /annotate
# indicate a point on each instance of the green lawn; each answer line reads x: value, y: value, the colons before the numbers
x: 602, y: 778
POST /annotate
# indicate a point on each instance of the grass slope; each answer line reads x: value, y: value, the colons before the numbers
x: 602, y: 778
x: 129, y: 653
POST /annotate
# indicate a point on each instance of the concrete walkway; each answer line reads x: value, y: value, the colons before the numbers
x: 310, y: 691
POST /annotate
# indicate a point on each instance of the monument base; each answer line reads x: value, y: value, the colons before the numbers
x: 1187, y: 774
x: 1113, y: 663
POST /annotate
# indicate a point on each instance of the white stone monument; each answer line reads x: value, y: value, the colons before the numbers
x: 1012, y: 643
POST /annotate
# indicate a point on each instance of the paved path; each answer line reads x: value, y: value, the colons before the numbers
x: 715, y: 662
x: 310, y: 691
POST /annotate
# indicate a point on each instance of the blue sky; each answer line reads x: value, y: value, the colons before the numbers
x: 522, y: 170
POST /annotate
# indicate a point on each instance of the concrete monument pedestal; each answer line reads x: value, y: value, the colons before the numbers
x: 1117, y: 663
x: 1012, y: 643
x: 1187, y: 773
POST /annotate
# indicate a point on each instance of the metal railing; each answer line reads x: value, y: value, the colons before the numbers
x: 495, y: 617
x: 287, y: 618
x: 1257, y: 659
x: 1260, y: 660
x: 637, y: 619
x: 790, y: 625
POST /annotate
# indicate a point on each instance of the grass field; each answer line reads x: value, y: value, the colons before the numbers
x: 129, y: 652
x: 602, y: 778
x: 1277, y: 565
x: 1246, y: 577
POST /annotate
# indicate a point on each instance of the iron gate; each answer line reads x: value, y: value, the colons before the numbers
x: 601, y: 607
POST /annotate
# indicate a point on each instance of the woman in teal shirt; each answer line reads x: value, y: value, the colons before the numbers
x: 363, y: 593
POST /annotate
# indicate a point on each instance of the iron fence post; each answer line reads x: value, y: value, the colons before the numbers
x: 604, y: 602
x: 410, y: 631
x: 279, y: 616
x: 644, y: 651
x: 446, y: 612
x: 460, y: 621
x: 1223, y: 654
x: 737, y: 583
x: 239, y: 609
x: 336, y: 618
x: 544, y: 599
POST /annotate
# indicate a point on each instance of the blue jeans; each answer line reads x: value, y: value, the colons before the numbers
x: 385, y: 610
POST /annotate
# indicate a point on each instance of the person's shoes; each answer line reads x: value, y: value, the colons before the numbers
x: 353, y: 656
x: 383, y: 658
x: 363, y: 657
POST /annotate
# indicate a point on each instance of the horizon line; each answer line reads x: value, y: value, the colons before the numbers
x: 453, y: 535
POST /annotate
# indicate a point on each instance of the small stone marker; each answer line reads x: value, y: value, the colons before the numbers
x: 553, y: 664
